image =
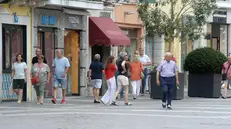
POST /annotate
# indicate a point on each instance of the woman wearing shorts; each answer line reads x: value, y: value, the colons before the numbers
x: 122, y: 79
x: 19, y: 75
x: 110, y: 69
x: 42, y: 71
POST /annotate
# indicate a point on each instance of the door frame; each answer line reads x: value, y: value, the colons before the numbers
x: 43, y: 30
x: 24, y: 42
x: 79, y: 39
x: 24, y: 52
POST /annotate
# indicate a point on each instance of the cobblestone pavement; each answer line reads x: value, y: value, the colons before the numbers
x: 145, y: 113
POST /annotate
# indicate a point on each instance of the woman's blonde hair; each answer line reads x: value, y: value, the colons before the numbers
x: 135, y: 58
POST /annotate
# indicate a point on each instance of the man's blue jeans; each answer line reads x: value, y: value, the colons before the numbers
x: 144, y: 81
x: 122, y: 91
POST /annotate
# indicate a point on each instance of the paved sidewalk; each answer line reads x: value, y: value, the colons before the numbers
x: 145, y: 113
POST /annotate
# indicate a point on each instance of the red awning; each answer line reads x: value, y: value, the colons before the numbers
x: 103, y: 31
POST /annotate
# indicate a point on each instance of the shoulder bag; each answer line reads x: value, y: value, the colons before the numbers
x: 35, y: 79
x: 224, y: 75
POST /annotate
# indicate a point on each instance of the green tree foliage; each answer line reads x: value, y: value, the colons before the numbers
x: 174, y: 23
x: 204, y: 60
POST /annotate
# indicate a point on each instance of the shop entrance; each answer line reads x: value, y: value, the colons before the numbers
x: 13, y: 42
x: 71, y: 51
x: 219, y: 39
x: 104, y: 52
x: 46, y: 42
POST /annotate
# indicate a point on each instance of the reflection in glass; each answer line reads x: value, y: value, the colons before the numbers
x: 7, y: 49
x: 17, y: 46
x: 223, y: 39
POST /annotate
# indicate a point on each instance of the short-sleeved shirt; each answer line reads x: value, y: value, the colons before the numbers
x: 167, y: 69
x: 35, y: 60
x: 110, y: 71
x: 136, y: 68
x: 144, y: 59
x: 96, y: 68
x: 19, y: 69
x: 40, y: 71
x: 227, y: 69
x: 60, y: 65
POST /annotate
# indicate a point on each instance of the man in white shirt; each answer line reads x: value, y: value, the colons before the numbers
x: 145, y: 60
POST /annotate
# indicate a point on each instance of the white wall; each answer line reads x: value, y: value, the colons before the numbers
x: 22, y: 20
x: 96, y: 13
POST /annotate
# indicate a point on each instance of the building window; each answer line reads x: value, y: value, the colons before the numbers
x: 12, y: 45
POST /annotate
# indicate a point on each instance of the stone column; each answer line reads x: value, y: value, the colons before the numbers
x: 83, y: 63
x: 158, y: 49
x: 59, y: 39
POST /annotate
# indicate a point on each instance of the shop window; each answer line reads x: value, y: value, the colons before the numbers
x: 12, y: 45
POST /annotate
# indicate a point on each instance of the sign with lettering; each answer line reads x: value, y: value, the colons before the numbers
x: 48, y: 20
x: 74, y: 20
x: 219, y: 20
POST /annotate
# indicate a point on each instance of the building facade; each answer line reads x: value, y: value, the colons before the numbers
x: 15, y: 37
x: 217, y: 30
x: 48, y: 25
x: 126, y: 17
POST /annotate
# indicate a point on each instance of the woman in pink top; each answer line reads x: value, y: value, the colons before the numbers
x: 226, y: 69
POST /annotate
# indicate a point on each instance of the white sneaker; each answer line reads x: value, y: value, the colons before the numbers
x: 19, y: 101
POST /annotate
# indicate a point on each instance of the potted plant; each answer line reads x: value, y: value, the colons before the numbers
x: 156, y: 91
x: 204, y: 67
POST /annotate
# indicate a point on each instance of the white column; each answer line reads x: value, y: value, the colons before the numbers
x: 158, y: 49
x: 203, y: 41
x: 229, y: 39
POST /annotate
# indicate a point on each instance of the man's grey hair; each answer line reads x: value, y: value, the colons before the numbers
x: 122, y: 54
x: 168, y: 54
x: 97, y: 57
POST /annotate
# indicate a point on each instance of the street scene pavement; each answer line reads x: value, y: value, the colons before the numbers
x: 145, y: 113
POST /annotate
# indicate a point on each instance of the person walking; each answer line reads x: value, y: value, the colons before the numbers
x: 19, y: 75
x: 145, y: 60
x: 61, y: 66
x: 110, y: 69
x: 117, y: 74
x: 136, y: 69
x: 38, y: 53
x: 226, y: 77
x: 42, y: 71
x: 167, y: 73
x: 96, y: 72
x: 122, y: 79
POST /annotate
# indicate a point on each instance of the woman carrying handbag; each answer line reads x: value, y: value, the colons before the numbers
x: 40, y: 76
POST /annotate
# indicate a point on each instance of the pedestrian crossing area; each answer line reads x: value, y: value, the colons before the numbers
x: 193, y: 108
x: 189, y: 113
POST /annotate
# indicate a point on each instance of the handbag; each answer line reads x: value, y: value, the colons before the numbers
x: 224, y: 75
x: 141, y: 75
x: 35, y: 79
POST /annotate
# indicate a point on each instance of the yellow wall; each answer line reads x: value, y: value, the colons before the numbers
x: 176, y: 45
x: 21, y: 11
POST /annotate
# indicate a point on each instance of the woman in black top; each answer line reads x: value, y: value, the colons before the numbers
x: 122, y: 78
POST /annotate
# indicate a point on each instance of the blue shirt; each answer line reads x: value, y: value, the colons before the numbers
x: 96, y: 68
x: 167, y: 69
x: 60, y: 65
